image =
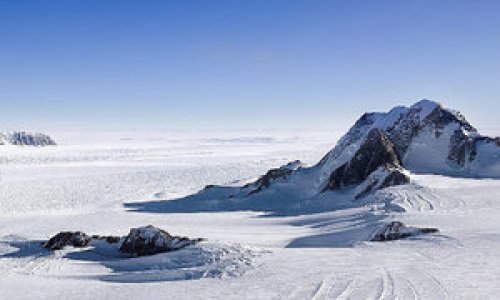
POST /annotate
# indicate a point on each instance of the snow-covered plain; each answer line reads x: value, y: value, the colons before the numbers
x: 95, y: 184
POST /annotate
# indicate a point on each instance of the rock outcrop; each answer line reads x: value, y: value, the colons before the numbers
x: 147, y: 240
x: 150, y: 240
x: 272, y: 175
x: 376, y: 153
x: 68, y: 238
x: 23, y: 138
x: 397, y: 230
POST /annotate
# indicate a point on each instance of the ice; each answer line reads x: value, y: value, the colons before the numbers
x: 322, y: 254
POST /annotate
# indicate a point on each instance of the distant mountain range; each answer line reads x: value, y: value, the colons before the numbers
x: 23, y: 138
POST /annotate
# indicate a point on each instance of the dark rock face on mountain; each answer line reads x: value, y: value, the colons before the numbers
x: 147, y: 240
x: 381, y: 178
x: 150, y: 240
x: 376, y: 151
x: 425, y: 115
x: 23, y: 138
x: 68, y: 238
x: 272, y: 175
x: 397, y: 230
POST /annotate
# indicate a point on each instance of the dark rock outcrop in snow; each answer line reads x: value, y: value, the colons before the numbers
x: 397, y: 230
x: 23, y: 138
x: 140, y: 241
x: 381, y: 178
x: 272, y: 175
x: 150, y: 240
x: 110, y: 239
x: 68, y: 238
x: 376, y: 152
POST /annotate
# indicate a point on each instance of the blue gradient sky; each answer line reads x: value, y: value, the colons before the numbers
x: 242, y: 64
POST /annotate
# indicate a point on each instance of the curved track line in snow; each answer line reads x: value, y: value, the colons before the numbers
x: 325, y: 287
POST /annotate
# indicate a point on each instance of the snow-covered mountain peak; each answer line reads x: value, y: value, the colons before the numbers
x: 425, y: 107
x: 425, y: 137
x: 379, y: 151
x: 428, y: 137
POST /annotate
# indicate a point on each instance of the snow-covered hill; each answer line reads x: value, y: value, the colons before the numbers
x: 429, y: 139
x: 379, y: 151
x: 24, y: 138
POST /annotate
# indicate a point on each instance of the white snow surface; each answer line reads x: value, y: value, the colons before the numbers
x: 123, y: 181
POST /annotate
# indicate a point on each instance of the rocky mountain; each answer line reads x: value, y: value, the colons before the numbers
x: 380, y: 150
x: 23, y: 138
x: 428, y: 139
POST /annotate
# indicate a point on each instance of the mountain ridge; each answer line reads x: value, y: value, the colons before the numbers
x: 379, y: 151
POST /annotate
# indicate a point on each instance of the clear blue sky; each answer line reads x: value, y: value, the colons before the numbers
x: 243, y: 64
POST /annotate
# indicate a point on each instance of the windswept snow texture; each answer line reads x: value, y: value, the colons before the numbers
x: 277, y: 248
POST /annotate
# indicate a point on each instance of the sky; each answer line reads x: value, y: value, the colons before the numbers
x: 260, y: 64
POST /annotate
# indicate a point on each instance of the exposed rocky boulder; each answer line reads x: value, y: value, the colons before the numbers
x: 377, y: 152
x: 147, y: 240
x: 23, y: 138
x: 397, y: 230
x: 150, y: 240
x: 68, y: 238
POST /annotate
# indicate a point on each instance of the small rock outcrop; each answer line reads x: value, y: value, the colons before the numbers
x: 274, y: 174
x: 376, y: 153
x: 150, y: 240
x: 24, y: 138
x: 68, y: 238
x: 381, y: 178
x: 147, y: 240
x: 397, y: 230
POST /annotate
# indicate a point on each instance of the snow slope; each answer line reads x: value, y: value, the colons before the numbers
x: 256, y: 252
